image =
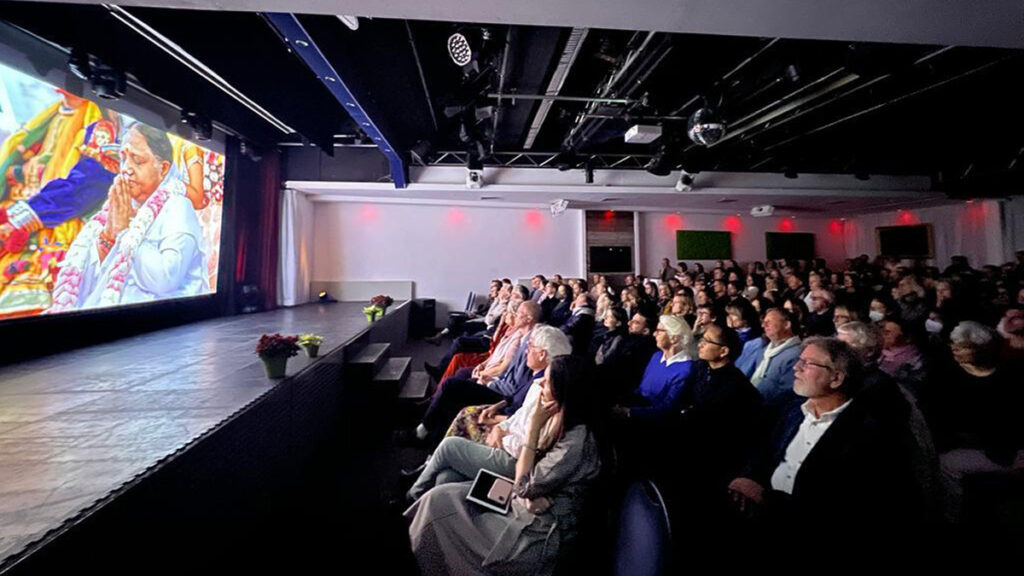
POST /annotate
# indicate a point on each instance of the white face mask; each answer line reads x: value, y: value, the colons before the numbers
x: 933, y: 326
x: 875, y: 315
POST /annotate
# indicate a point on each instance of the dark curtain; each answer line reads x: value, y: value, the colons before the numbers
x: 256, y: 231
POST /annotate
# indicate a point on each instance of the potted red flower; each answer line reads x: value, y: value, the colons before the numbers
x: 275, y: 350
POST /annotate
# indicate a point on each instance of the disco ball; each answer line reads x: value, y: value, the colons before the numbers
x: 705, y: 127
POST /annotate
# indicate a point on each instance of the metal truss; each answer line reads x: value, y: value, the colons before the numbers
x: 529, y: 159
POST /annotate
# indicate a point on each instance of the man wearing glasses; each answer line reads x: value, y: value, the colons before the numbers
x: 831, y: 463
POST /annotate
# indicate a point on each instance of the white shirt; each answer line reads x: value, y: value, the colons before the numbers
x: 518, y: 425
x: 681, y: 356
x: 811, y: 430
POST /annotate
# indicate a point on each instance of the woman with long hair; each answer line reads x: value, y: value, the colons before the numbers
x: 557, y: 461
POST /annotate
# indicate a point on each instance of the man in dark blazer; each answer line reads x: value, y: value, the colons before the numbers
x: 831, y: 463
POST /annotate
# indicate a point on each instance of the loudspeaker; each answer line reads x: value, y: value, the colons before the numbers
x: 421, y: 318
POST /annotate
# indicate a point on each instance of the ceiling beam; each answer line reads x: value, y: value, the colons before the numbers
x: 298, y: 40
x: 993, y: 23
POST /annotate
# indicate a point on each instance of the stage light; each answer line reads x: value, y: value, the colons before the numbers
x: 790, y: 173
x: 106, y: 82
x: 704, y: 127
x: 474, y: 173
x: 459, y: 49
x: 352, y: 22
x: 685, y: 182
x: 659, y: 164
x: 558, y: 207
x: 80, y: 63
x: 420, y: 153
x: 589, y: 173
x: 323, y: 297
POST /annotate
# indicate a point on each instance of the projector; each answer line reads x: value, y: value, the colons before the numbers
x: 640, y: 134
x: 762, y: 211
x: 474, y: 178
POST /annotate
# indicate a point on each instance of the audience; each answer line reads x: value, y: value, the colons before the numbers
x: 878, y: 431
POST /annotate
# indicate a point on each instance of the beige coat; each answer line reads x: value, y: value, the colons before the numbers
x: 451, y: 535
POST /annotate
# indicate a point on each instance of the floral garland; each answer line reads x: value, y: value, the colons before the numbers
x: 69, y: 281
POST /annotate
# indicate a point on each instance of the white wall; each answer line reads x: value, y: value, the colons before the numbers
x: 971, y: 229
x: 446, y: 251
x: 658, y: 235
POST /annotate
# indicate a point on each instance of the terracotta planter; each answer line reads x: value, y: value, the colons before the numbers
x: 312, y: 350
x: 274, y: 366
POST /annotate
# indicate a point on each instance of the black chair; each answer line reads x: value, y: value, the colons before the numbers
x: 644, y: 543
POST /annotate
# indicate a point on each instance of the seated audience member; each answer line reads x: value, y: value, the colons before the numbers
x: 667, y: 373
x: 844, y: 313
x: 1011, y: 328
x: 975, y: 409
x: 717, y: 427
x: 623, y: 362
x: 769, y: 360
x: 909, y: 296
x: 510, y: 388
x: 741, y: 316
x: 830, y: 463
x: 684, y: 306
x: 461, y: 324
x: 556, y: 463
x: 537, y: 287
x: 798, y: 309
x: 881, y: 308
x: 488, y: 364
x: 820, y: 320
x: 794, y: 287
x: 667, y: 272
x: 563, y: 308
x: 580, y: 325
x: 896, y: 405
x: 706, y: 315
x: 665, y: 298
x: 478, y: 343
x: 549, y: 300
x: 650, y: 291
x: 901, y: 358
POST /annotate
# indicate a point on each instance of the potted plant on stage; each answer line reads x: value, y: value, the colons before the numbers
x: 378, y: 306
x: 275, y: 350
x: 310, y: 344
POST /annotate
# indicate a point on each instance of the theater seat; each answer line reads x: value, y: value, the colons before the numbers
x: 644, y: 543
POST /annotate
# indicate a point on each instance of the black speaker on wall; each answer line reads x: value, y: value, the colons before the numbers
x: 421, y: 318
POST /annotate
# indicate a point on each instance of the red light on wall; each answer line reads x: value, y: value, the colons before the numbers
x: 835, y: 227
x: 733, y: 224
x: 456, y: 217
x: 786, y: 225
x: 673, y: 222
x: 534, y: 219
x: 609, y: 214
x: 907, y: 217
x: 368, y: 214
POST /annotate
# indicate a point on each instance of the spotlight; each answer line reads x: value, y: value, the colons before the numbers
x: 659, y: 164
x: 705, y: 127
x: 566, y: 161
x: 351, y: 22
x: 558, y: 207
x: 323, y: 297
x: 79, y: 63
x: 459, y: 50
x: 685, y: 182
x: 474, y: 173
x: 590, y: 173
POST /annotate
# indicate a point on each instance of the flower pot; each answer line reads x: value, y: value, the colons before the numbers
x: 312, y: 350
x: 274, y: 366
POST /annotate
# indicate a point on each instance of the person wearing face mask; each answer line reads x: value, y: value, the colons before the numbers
x: 881, y: 308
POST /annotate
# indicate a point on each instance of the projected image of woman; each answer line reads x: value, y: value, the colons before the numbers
x: 146, y: 242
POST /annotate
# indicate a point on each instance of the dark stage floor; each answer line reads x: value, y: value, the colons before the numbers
x: 77, y: 426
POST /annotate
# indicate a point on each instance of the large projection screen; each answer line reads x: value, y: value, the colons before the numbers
x: 96, y: 209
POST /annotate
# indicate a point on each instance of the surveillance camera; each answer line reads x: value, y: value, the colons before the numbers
x: 685, y: 182
x: 474, y: 178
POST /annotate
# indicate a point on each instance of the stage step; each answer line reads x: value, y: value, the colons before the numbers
x: 394, y: 372
x: 370, y: 360
x: 415, y: 387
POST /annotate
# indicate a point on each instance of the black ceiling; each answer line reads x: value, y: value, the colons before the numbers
x: 790, y: 105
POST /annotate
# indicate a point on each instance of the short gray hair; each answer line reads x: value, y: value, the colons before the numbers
x: 974, y: 333
x: 844, y: 359
x: 865, y: 339
x: 531, y: 308
x: 551, y: 340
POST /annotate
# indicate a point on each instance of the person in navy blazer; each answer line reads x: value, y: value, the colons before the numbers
x: 852, y: 477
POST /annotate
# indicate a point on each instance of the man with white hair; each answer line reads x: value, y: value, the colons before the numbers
x: 820, y: 322
x: 456, y: 455
x: 507, y: 392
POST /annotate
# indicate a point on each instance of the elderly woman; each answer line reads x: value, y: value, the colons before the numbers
x: 667, y: 373
x: 975, y: 412
x: 556, y: 462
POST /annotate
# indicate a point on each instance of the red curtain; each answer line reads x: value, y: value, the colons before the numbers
x: 256, y: 228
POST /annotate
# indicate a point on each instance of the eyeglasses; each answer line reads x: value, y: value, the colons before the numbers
x: 660, y: 329
x: 801, y: 364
